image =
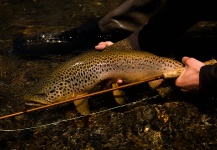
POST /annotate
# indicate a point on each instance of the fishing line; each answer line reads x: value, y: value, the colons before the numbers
x: 79, y: 117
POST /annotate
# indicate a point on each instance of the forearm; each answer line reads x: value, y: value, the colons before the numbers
x: 130, y: 15
x: 208, y: 79
x: 165, y: 26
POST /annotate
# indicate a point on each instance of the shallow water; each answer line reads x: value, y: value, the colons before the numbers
x: 33, y: 17
x: 185, y: 121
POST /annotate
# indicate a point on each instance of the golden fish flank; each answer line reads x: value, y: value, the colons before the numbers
x: 81, y: 74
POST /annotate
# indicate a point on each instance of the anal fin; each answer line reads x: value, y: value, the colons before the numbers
x: 163, y: 87
x: 119, y: 95
x: 82, y: 106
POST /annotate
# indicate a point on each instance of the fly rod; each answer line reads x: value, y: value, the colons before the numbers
x: 167, y: 75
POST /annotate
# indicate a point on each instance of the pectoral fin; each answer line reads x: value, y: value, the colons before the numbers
x: 164, y: 91
x: 155, y: 84
x: 161, y: 86
x: 82, y: 106
x: 119, y: 95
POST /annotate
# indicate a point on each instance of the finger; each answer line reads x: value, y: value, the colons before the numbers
x: 108, y: 43
x: 100, y: 47
x: 192, y: 61
x: 120, y: 81
x: 184, y: 59
x: 103, y: 45
x: 179, y: 80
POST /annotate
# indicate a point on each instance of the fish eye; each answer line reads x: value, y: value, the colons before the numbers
x: 39, y: 94
x: 52, y: 91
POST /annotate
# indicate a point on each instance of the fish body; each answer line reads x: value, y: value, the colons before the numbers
x: 81, y: 74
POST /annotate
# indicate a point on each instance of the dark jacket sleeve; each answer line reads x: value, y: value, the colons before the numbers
x: 169, y: 23
x: 130, y: 15
x: 208, y: 79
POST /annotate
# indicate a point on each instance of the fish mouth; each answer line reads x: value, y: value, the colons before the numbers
x: 36, y: 103
x: 33, y: 104
x: 35, y: 100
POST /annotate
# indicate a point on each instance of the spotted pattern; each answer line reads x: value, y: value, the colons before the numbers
x: 81, y: 74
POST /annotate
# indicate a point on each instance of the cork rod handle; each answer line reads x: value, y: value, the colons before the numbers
x: 177, y: 72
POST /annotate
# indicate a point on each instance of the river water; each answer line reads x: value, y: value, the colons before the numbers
x: 177, y: 123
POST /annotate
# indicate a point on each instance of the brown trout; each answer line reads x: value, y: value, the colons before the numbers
x: 81, y: 74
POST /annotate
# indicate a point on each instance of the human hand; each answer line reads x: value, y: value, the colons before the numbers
x: 103, y: 45
x: 189, y: 79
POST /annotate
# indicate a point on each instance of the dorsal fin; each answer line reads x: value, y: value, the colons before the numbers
x: 120, y: 45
